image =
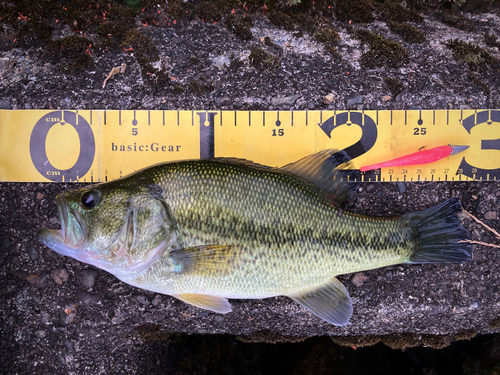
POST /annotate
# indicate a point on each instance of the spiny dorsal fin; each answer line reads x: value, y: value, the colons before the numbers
x: 212, y: 303
x: 321, y: 170
x: 330, y: 302
x: 242, y: 161
x: 206, y: 259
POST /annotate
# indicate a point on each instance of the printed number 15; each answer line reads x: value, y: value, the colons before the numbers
x: 280, y: 132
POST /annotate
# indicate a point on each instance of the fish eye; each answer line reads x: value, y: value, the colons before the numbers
x: 89, y: 199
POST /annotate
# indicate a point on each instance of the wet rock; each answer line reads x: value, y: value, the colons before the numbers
x: 40, y: 280
x: 55, y: 220
x: 45, y: 318
x: 40, y: 333
x: 287, y: 100
x: 50, y: 255
x: 142, y: 299
x: 156, y: 300
x: 5, y: 242
x: 353, y: 100
x: 305, y: 69
x: 118, y: 320
x: 86, y: 278
x: 221, y: 61
x: 402, y: 96
x: 68, y: 315
x: 32, y: 253
x: 60, y: 275
x: 87, y: 298
x: 5, y: 104
x: 329, y: 98
x: 359, y: 279
x: 490, y: 215
x: 370, y: 188
x: 222, y: 101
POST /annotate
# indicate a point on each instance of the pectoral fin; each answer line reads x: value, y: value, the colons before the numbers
x: 330, y: 302
x: 216, y: 304
x: 207, y: 259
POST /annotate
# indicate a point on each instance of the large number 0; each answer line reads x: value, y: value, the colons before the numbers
x: 39, y: 153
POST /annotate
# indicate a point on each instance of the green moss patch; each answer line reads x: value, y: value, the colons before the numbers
x: 495, y: 323
x: 456, y: 20
x: 396, y: 341
x: 404, y: 341
x: 166, y: 14
x: 269, y: 337
x: 146, y: 53
x: 208, y: 12
x: 354, y: 10
x: 394, y: 86
x: 112, y: 34
x: 153, y: 334
x: 201, y: 86
x: 382, y: 51
x: 476, y: 81
x: 36, y: 31
x: 356, y: 341
x: 394, y: 11
x: 491, y: 40
x: 326, y: 34
x: 408, y: 32
x: 73, y: 48
x: 474, y: 56
x: 239, y: 26
x: 262, y: 60
x: 177, y: 88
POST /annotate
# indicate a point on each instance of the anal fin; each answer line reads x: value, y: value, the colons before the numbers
x: 330, y: 302
x: 212, y: 303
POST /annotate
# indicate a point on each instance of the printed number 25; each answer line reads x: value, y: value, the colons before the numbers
x: 419, y: 131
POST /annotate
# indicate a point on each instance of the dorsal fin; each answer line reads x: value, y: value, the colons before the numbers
x: 321, y: 170
x: 242, y: 161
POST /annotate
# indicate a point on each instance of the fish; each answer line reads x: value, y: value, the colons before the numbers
x: 205, y: 231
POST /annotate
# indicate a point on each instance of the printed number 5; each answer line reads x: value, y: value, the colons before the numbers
x: 134, y: 131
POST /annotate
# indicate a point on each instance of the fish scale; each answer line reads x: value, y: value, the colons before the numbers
x: 282, y: 242
x: 207, y: 230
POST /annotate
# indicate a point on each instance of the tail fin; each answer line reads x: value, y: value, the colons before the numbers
x: 438, y: 232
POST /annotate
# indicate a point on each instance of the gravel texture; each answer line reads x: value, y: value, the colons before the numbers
x: 61, y: 316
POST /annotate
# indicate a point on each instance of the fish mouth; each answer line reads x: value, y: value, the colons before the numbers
x: 66, y: 240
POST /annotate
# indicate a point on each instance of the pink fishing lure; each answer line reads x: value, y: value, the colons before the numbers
x: 421, y: 157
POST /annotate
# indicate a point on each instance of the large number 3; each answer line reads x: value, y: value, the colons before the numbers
x: 485, y: 117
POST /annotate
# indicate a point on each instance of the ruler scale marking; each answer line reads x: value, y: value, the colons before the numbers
x: 119, y: 148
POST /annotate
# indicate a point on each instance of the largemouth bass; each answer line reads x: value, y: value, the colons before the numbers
x: 207, y: 230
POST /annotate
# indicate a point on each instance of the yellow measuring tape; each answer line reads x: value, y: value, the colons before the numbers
x: 102, y: 145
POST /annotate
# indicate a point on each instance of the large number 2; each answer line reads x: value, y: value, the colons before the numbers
x: 365, y: 122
